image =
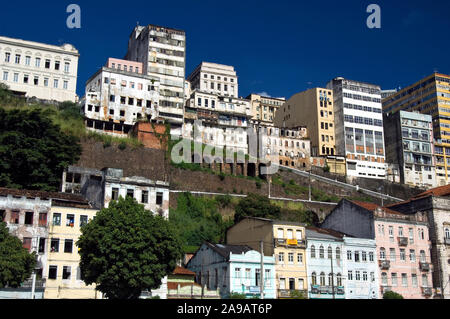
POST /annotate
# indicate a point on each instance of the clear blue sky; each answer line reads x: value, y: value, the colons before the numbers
x: 279, y: 47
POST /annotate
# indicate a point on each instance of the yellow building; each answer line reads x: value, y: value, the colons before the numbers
x: 264, y: 108
x: 284, y: 239
x: 314, y: 109
x: 430, y: 95
x: 62, y: 275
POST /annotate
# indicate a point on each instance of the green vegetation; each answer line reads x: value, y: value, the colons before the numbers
x: 126, y: 249
x: 235, y: 295
x: 255, y: 205
x: 295, y: 294
x: 392, y: 295
x: 198, y: 219
x: 16, y: 263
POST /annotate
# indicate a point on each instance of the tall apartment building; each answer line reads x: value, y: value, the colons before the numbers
x: 264, y: 108
x: 409, y: 144
x: 215, y: 78
x: 44, y: 71
x: 359, y: 127
x: 430, y: 95
x: 313, y: 109
x: 162, y: 51
x: 118, y: 95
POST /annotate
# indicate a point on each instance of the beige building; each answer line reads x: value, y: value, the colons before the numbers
x: 264, y: 108
x: 313, y: 109
x: 284, y: 239
x: 44, y: 71
x: 63, y: 276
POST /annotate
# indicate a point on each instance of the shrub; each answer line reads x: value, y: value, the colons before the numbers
x: 392, y: 295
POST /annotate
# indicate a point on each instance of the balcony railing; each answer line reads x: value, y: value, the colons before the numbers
x: 385, y: 264
x: 324, y: 290
x: 403, y: 241
x: 39, y: 283
x: 293, y: 243
x: 287, y: 293
x: 424, y: 266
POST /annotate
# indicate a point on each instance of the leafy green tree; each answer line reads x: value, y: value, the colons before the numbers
x: 255, y: 205
x: 33, y: 151
x: 126, y: 249
x: 392, y: 295
x: 295, y: 294
x: 236, y: 295
x: 16, y: 263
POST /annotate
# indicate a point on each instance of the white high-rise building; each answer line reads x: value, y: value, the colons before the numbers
x: 162, y: 52
x: 359, y: 127
x: 215, y: 78
x: 33, y: 69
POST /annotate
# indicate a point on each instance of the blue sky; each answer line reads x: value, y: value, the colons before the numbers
x: 279, y: 47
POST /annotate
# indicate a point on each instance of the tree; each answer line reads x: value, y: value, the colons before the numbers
x: 16, y: 263
x: 392, y: 295
x: 33, y: 151
x: 126, y: 249
x: 236, y: 295
x: 255, y: 205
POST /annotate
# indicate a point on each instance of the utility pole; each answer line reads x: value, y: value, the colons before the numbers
x: 261, y: 285
x: 310, y: 168
x: 332, y: 275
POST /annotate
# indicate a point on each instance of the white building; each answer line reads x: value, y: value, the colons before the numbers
x: 224, y: 120
x: 118, y: 95
x: 162, y: 52
x: 44, y: 71
x: 360, y: 268
x: 215, y: 78
x: 359, y: 127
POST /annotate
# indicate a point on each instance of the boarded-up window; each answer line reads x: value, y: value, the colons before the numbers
x: 42, y: 219
x: 14, y: 217
x: 27, y: 243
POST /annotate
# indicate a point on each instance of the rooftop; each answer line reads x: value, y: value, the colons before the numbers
x: 66, y: 197
x: 226, y: 250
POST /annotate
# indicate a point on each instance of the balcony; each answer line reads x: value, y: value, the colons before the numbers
x: 286, y: 293
x: 327, y: 290
x: 427, y: 291
x: 424, y: 266
x: 289, y: 243
x: 402, y: 241
x: 385, y: 264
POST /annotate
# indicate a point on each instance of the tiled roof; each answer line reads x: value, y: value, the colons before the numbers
x: 44, y: 195
x: 372, y: 207
x: 183, y: 271
x: 323, y: 232
x: 438, y: 191
x: 225, y: 250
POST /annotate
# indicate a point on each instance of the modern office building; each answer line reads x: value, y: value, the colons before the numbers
x: 431, y: 96
x: 313, y: 109
x: 359, y: 127
x: 32, y: 69
x: 162, y: 51
x: 409, y: 144
x: 118, y: 95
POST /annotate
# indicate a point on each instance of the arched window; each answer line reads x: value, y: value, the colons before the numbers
x: 321, y: 252
x: 313, y: 279
x: 313, y: 251
x: 330, y: 252
x: 322, y: 279
x: 339, y: 279
x: 338, y: 253
x: 384, y: 279
x: 382, y: 253
x: 422, y: 256
x: 447, y: 233
x: 330, y: 279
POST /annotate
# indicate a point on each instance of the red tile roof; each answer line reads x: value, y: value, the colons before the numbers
x: 372, y: 207
x: 183, y: 271
x: 438, y: 191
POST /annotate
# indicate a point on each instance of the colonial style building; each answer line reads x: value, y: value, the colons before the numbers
x: 285, y: 240
x: 118, y: 96
x: 181, y: 285
x: 264, y: 108
x: 435, y: 203
x: 359, y: 127
x: 47, y: 72
x: 409, y: 146
x: 162, y: 51
x: 431, y: 96
x: 234, y: 269
x: 403, y: 244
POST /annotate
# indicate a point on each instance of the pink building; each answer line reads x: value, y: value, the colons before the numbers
x: 125, y: 65
x: 402, y: 240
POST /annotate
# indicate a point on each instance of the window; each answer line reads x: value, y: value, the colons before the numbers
x: 55, y: 83
x: 56, y: 219
x: 237, y: 274
x: 47, y: 64
x: 28, y: 218
x: 364, y: 256
x: 371, y: 256
x: 330, y: 253
x: 26, y: 243
x: 338, y: 253
x: 280, y: 233
x: 36, y: 80
x: 422, y: 256
x: 54, y: 245
x: 52, y: 272
x: 130, y: 193
x: 281, y: 257
x: 70, y: 220
x: 321, y: 252
x: 349, y: 255
x: 414, y: 280
x: 159, y: 198
x: 115, y: 194
x: 65, y: 85
x: 322, y: 279
x: 7, y: 57
x: 402, y: 254
x: 411, y: 236
x: 339, y: 280
x: 372, y: 277
x: 5, y: 76
x: 45, y: 81
x: 43, y: 219
x: 291, y: 258
x: 382, y: 253
x: 357, y: 256
x: 290, y: 234
x: 16, y: 77
x: 57, y: 63
x: 330, y: 279
x: 83, y: 220
x: 313, y: 279
x: 68, y: 243
x: 384, y: 279
x: 394, y: 279
x: 300, y: 258
x: 392, y: 254
x: 25, y: 78
x: 66, y: 272
x: 313, y: 251
x: 412, y: 255
x: 404, y: 280
x: 365, y: 278
x: 17, y: 59
x: 400, y: 231
x: 424, y: 280
x: 144, y: 198
x: 27, y: 60
x: 66, y: 67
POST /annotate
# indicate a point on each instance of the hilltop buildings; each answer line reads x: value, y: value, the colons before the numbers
x: 32, y: 69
